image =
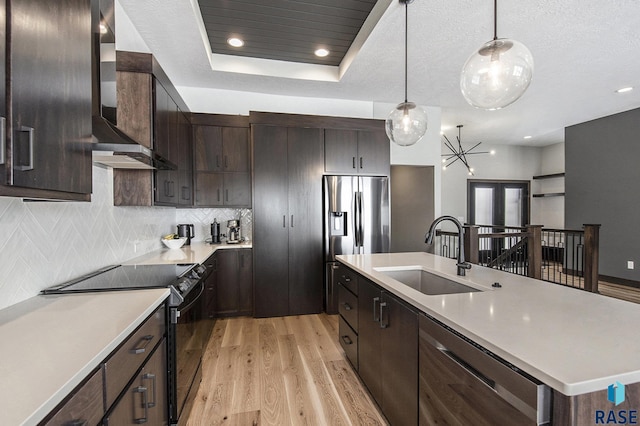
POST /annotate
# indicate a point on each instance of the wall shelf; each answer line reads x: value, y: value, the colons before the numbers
x: 550, y: 176
x: 549, y: 194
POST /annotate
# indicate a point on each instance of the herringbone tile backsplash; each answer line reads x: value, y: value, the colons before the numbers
x: 46, y: 243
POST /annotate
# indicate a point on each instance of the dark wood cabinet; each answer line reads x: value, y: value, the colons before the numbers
x: 145, y: 399
x: 388, y: 352
x: 152, y: 113
x: 222, y: 166
x: 351, y: 151
x: 234, y: 283
x: 287, y: 167
x: 229, y: 287
x: 48, y: 126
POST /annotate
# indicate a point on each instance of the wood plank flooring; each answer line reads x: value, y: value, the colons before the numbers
x: 280, y: 371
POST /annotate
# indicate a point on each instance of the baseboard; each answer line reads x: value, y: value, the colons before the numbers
x: 621, y: 281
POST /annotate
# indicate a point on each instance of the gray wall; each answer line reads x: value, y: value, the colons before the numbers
x: 602, y: 165
x: 412, y: 206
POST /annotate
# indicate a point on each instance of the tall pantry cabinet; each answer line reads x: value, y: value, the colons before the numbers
x: 287, y: 214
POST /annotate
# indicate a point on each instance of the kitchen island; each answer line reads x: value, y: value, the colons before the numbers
x: 575, y: 342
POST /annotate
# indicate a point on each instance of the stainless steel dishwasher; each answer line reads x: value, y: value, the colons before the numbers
x: 462, y: 383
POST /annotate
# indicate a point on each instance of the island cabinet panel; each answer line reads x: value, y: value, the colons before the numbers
x: 351, y: 151
x: 287, y: 212
x: 595, y: 408
x: 388, y: 352
x: 222, y: 166
x: 46, y: 132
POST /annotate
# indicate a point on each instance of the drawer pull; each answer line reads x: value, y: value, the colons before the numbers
x: 347, y: 340
x: 140, y: 349
x: 152, y: 377
x: 347, y: 306
x: 143, y: 391
x: 346, y: 279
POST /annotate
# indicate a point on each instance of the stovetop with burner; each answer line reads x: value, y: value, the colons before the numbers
x: 181, y: 279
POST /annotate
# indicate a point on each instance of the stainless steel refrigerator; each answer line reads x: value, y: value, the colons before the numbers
x: 356, y: 221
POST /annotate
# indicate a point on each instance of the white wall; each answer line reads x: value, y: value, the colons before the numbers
x: 508, y: 162
x: 45, y: 243
x: 549, y: 210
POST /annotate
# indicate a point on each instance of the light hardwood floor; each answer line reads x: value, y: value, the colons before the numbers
x: 280, y: 371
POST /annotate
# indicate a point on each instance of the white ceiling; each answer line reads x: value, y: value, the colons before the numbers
x: 583, y: 51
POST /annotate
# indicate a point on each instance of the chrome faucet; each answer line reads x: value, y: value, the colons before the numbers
x: 461, y: 264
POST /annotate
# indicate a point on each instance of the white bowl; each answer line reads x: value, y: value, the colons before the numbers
x: 174, y: 243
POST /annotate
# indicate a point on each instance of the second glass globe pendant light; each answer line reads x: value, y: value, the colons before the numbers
x: 498, y: 73
x: 407, y: 123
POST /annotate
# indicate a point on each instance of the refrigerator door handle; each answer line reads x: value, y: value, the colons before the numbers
x: 360, y: 222
x: 356, y: 218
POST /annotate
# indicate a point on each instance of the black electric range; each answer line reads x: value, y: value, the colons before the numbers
x: 180, y: 279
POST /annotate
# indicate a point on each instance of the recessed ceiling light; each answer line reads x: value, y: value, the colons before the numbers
x: 528, y: 137
x: 322, y: 52
x: 235, y: 42
x: 624, y: 89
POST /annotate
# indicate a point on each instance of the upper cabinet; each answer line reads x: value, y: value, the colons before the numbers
x: 151, y: 112
x: 349, y: 151
x: 46, y: 134
x: 222, y: 161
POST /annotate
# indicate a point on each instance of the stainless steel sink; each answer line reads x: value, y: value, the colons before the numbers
x: 426, y: 282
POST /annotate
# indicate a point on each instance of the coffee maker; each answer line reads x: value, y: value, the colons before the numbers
x: 185, y: 230
x: 233, y: 234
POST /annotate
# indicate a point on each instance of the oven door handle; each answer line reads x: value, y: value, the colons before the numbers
x: 193, y: 302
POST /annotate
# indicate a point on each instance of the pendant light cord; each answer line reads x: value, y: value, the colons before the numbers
x: 406, y: 31
x: 495, y: 20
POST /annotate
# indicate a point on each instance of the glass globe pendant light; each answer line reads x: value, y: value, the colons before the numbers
x: 498, y: 73
x: 407, y: 122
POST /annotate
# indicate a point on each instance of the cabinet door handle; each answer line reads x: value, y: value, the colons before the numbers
x: 152, y: 377
x: 353, y: 162
x: 284, y: 220
x: 383, y: 324
x: 185, y: 193
x: 376, y: 300
x: 347, y: 307
x: 217, y: 161
x: 30, y: 131
x: 347, y: 340
x: 143, y: 391
x: 142, y: 344
x: 76, y: 422
x: 3, y: 139
x: 218, y: 194
x: 361, y: 163
x: 166, y: 188
x: 172, y: 191
x: 226, y: 195
x: 226, y: 162
x: 292, y: 221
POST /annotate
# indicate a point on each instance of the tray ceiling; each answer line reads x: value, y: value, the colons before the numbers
x: 285, y: 30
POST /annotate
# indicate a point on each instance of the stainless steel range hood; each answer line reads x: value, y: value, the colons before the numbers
x: 114, y: 148
x: 117, y: 150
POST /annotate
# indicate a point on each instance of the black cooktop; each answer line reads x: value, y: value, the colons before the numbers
x: 124, y: 277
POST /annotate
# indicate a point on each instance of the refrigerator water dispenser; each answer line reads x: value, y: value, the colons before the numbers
x: 338, y: 222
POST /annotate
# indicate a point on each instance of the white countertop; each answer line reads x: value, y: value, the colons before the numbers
x: 574, y: 341
x: 51, y: 343
x: 197, y: 252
